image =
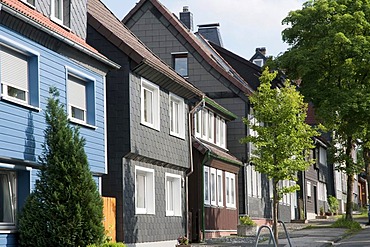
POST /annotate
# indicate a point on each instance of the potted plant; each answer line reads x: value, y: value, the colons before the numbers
x: 182, y: 241
x: 321, y: 211
x: 247, y: 226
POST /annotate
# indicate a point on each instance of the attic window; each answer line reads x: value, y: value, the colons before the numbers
x: 31, y: 3
x: 258, y: 62
x: 60, y: 11
x: 180, y: 63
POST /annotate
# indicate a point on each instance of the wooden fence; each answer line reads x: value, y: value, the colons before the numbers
x: 110, y: 217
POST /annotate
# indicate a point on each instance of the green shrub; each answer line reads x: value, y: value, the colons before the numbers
x: 349, y: 224
x: 108, y: 245
x: 246, y: 221
x: 65, y: 208
x: 333, y: 204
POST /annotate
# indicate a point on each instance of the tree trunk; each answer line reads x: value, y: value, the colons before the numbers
x: 275, y: 210
x: 350, y: 180
x: 367, y: 165
x: 349, y: 206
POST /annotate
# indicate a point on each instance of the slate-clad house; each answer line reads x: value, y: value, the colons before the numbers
x: 40, y: 48
x: 149, y: 135
x: 212, y: 213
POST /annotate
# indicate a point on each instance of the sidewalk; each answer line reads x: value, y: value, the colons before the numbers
x: 301, y: 235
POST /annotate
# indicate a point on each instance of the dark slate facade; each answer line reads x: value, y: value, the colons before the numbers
x: 133, y: 146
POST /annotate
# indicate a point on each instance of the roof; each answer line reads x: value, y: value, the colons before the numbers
x: 248, y: 70
x: 191, y: 39
x: 149, y: 65
x: 30, y: 15
x: 215, y: 152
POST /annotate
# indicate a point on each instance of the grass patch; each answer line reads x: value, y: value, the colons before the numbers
x: 351, y: 225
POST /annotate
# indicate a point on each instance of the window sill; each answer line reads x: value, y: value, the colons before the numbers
x: 59, y: 22
x: 79, y: 122
x: 150, y: 126
x: 28, y: 4
x: 8, y: 229
x: 177, y: 135
x: 20, y: 103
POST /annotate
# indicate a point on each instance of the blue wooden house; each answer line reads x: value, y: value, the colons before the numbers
x: 42, y: 44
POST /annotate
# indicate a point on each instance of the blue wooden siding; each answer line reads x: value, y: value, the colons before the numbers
x: 8, y: 240
x: 21, y: 129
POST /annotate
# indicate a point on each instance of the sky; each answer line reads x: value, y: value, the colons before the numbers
x: 244, y: 24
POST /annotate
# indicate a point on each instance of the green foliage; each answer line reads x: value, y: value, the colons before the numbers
x: 108, y: 245
x: 284, y: 137
x: 333, y: 204
x: 65, y: 209
x: 246, y: 221
x: 329, y: 54
x: 349, y: 224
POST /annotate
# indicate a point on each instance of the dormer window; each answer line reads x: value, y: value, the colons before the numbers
x: 60, y: 12
x: 258, y: 62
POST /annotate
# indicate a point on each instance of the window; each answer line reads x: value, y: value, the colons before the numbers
x: 177, y: 116
x: 206, y: 185
x: 322, y: 156
x: 222, y: 133
x: 173, y: 195
x: 144, y: 190
x: 57, y: 11
x: 150, y: 111
x: 211, y: 127
x: 230, y: 190
x: 213, y: 186
x: 220, y: 189
x: 30, y: 2
x: 80, y: 97
x: 198, y: 124
x: 7, y: 198
x: 322, y: 192
x: 180, y: 63
x: 204, y: 124
x: 308, y: 189
x: 19, y: 73
x: 258, y: 62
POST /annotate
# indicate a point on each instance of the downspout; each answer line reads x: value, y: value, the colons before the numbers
x: 205, y: 160
x: 190, y: 134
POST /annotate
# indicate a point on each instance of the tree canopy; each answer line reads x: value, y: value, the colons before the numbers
x: 282, y: 138
x: 65, y: 208
x: 329, y: 54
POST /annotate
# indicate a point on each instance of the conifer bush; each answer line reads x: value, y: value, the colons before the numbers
x: 65, y: 208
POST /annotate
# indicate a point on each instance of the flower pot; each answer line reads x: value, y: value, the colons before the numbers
x: 246, y: 230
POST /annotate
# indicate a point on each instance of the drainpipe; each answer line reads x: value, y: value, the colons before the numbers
x: 190, y: 134
x: 205, y: 160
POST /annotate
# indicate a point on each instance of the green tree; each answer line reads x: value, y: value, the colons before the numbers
x: 65, y: 208
x: 283, y: 139
x: 330, y: 53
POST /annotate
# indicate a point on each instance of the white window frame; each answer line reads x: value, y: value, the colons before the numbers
x: 155, y: 104
x: 322, y: 191
x: 206, y: 185
x: 53, y: 15
x: 86, y: 79
x: 217, y: 130
x: 258, y: 62
x: 173, y: 195
x: 211, y: 127
x: 308, y: 189
x: 213, y: 186
x: 322, y: 156
x: 223, y: 134
x: 230, y: 190
x: 149, y: 190
x: 180, y: 120
x: 34, y: 74
x: 204, y: 124
x: 12, y: 185
x: 198, y: 124
x: 220, y: 188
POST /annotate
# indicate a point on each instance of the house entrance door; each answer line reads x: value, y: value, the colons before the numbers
x: 315, y: 199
